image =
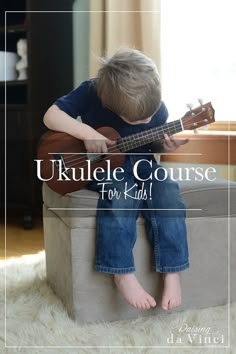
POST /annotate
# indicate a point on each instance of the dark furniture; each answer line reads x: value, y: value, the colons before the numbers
x: 50, y: 75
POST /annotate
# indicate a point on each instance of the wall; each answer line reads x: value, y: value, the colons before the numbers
x: 81, y: 41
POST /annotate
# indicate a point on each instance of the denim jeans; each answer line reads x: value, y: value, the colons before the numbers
x: 118, y: 208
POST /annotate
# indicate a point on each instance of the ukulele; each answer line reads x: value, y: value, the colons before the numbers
x: 65, y: 166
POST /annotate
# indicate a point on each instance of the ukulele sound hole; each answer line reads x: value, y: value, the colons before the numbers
x: 95, y: 157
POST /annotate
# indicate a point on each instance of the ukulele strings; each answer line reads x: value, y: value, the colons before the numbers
x: 109, y: 153
x: 164, y: 130
x: 77, y: 160
x: 111, y: 149
x: 82, y: 161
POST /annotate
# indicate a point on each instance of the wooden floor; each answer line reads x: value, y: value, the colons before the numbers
x: 19, y: 241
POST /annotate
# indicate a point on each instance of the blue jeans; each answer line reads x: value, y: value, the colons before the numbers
x: 118, y: 208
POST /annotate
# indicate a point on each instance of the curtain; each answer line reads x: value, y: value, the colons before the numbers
x: 116, y: 23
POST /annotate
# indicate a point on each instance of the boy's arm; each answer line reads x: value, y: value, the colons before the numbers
x: 58, y: 120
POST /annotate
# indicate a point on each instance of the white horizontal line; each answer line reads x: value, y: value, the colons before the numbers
x: 122, y: 153
x: 88, y: 209
x: 115, y: 346
x: 87, y: 11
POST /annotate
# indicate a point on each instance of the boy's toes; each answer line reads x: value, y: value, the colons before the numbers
x: 165, y: 304
x: 151, y: 301
x: 147, y: 304
x: 174, y: 303
x: 171, y: 305
x: 143, y: 305
x: 139, y: 305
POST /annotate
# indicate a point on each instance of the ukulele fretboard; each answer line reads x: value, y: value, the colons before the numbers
x: 150, y: 135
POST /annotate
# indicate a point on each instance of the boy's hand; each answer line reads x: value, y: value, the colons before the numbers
x: 98, y: 143
x: 171, y: 144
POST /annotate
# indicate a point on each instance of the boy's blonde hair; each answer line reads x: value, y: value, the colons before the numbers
x: 128, y: 84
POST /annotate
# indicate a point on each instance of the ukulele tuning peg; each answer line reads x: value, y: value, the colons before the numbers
x: 200, y: 100
x: 189, y: 106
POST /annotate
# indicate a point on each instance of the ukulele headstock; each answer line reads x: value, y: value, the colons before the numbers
x: 198, y: 117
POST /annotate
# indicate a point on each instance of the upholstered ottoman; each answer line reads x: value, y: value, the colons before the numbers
x: 92, y: 296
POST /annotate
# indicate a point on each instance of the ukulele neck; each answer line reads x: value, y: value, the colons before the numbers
x: 149, y: 136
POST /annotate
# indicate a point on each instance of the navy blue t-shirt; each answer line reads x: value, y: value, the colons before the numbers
x: 84, y: 102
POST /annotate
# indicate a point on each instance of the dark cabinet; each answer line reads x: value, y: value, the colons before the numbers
x: 47, y: 28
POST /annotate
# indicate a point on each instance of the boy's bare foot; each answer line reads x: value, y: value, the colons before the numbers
x: 133, y: 292
x: 172, y: 291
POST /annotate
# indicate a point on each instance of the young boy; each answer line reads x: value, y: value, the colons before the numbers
x: 126, y: 95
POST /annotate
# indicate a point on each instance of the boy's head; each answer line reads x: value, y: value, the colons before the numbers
x: 128, y: 84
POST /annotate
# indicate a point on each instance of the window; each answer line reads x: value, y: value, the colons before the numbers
x: 199, y: 55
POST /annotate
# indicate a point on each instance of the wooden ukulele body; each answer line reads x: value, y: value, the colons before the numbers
x: 71, y: 153
x: 65, y: 166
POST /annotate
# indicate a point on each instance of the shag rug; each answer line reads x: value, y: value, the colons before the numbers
x: 36, y: 322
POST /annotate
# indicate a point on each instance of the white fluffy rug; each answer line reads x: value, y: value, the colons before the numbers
x: 36, y: 318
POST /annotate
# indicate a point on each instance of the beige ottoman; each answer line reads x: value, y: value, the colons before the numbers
x: 91, y: 296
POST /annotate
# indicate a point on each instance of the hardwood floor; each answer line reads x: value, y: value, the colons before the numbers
x: 19, y: 241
